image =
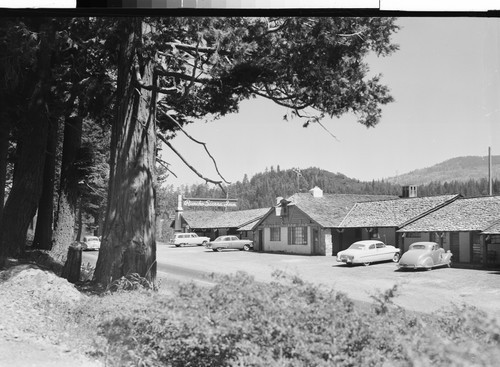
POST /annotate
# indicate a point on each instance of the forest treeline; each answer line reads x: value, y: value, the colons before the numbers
x: 261, y: 190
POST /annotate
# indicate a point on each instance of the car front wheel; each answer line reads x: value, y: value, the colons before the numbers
x: 395, y: 258
x: 246, y: 247
x: 366, y: 263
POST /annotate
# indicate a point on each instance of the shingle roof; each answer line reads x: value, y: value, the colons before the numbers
x: 330, y: 209
x: 494, y: 228
x: 216, y: 219
x: 392, y: 213
x: 466, y: 214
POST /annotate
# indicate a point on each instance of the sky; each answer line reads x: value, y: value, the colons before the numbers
x: 446, y: 84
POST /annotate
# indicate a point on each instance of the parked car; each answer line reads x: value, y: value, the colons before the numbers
x: 188, y: 239
x: 367, y: 252
x: 90, y: 243
x: 231, y: 242
x: 425, y: 255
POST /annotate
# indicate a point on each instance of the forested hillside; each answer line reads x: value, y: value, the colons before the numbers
x: 461, y: 169
x: 262, y: 189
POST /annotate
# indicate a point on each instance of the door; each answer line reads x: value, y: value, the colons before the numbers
x: 315, y: 241
x: 455, y: 246
x: 261, y: 240
x: 383, y: 253
x: 477, y: 253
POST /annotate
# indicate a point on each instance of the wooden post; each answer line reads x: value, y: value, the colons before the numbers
x: 72, y: 267
x: 484, y: 250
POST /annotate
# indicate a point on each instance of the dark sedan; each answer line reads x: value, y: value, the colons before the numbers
x: 229, y: 242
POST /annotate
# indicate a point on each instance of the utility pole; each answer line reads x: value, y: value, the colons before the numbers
x: 299, y: 175
x: 490, y: 178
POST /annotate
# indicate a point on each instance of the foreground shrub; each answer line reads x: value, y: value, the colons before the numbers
x: 240, y: 322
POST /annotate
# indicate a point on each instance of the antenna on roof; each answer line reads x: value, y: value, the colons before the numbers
x: 299, y: 175
x: 490, y: 179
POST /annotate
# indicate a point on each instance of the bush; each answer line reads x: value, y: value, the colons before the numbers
x: 240, y: 322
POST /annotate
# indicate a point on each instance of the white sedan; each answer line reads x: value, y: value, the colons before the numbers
x: 91, y: 243
x: 367, y: 252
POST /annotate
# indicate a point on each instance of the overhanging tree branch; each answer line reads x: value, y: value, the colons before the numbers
x: 279, y: 101
x: 201, y: 143
x: 186, y: 47
x: 206, y: 179
x: 161, y: 71
x: 165, y: 165
x: 153, y: 88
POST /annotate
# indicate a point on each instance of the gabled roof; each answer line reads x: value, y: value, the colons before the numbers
x: 494, y: 228
x: 330, y: 209
x: 465, y: 214
x: 204, y: 219
x: 393, y: 213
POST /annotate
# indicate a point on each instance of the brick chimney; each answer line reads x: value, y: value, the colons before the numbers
x: 409, y: 191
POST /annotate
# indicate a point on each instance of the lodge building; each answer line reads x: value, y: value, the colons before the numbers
x: 316, y: 223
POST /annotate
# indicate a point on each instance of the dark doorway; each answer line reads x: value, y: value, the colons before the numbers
x: 455, y: 246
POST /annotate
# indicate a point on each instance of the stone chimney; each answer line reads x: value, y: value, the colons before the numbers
x: 409, y: 191
x: 178, y: 215
x: 316, y: 192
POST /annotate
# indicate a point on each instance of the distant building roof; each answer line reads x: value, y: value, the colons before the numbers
x: 204, y: 219
x: 329, y: 209
x: 392, y: 213
x: 465, y: 214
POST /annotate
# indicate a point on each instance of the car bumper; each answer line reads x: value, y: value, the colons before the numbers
x: 91, y: 248
x: 411, y: 266
x: 345, y: 260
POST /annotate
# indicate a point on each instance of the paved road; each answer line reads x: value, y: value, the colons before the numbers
x: 423, y: 291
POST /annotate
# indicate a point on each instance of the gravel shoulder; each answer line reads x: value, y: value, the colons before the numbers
x: 33, y: 331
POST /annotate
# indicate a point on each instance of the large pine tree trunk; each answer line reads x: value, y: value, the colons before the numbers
x: 44, y: 220
x: 4, y: 147
x: 67, y: 204
x: 26, y: 187
x: 129, y: 243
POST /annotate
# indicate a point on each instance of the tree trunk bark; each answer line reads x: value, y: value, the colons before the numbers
x: 73, y: 265
x: 64, y: 232
x: 4, y: 148
x: 79, y: 225
x: 26, y: 188
x: 129, y: 243
x: 45, y: 217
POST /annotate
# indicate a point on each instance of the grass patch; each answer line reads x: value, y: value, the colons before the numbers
x: 288, y: 322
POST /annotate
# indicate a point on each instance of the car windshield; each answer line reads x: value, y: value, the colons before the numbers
x: 218, y: 239
x: 357, y: 246
x: 92, y: 239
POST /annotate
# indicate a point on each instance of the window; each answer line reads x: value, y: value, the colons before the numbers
x: 380, y: 245
x: 275, y: 234
x: 412, y: 235
x: 495, y: 238
x: 297, y: 235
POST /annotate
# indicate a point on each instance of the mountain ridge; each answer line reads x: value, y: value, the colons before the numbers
x: 460, y: 169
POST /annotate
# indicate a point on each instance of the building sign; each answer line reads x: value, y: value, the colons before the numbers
x: 210, y: 202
